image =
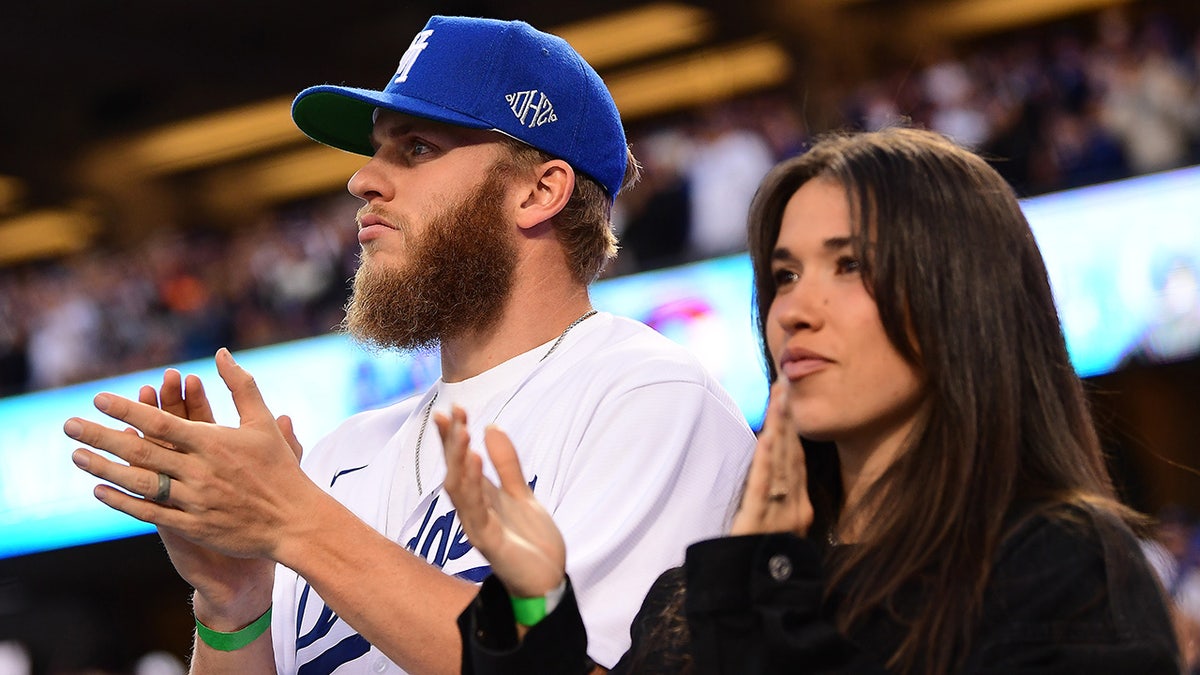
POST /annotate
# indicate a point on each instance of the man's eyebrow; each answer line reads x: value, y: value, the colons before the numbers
x: 391, y: 131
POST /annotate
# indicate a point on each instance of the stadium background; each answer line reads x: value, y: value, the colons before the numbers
x: 145, y: 149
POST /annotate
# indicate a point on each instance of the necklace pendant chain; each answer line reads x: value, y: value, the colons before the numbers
x: 576, y: 322
x: 421, y: 437
x: 429, y: 407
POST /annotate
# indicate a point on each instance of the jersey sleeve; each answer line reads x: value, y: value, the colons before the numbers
x: 657, y: 468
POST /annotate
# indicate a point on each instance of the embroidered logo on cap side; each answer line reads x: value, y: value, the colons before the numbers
x: 532, y: 108
x: 419, y: 43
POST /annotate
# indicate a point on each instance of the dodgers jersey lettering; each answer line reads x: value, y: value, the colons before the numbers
x: 440, y: 540
x: 636, y: 453
x: 324, y: 642
x: 439, y: 532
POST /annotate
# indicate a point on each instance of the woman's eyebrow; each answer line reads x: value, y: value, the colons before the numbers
x: 839, y: 243
x: 833, y: 244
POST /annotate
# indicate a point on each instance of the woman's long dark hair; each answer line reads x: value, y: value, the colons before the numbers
x: 963, y: 294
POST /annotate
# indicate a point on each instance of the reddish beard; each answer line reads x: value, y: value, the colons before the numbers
x: 455, y: 281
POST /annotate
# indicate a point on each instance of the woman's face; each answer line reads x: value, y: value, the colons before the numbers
x: 847, y: 383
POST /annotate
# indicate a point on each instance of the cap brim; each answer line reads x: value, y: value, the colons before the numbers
x: 343, y: 117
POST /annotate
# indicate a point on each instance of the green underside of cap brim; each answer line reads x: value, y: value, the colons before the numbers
x: 343, y: 117
x: 336, y: 120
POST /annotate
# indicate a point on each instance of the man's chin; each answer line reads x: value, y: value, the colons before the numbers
x: 373, y: 260
x: 374, y: 340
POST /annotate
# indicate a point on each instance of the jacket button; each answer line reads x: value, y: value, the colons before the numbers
x: 780, y: 567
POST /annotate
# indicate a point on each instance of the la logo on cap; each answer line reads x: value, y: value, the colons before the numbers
x: 410, y: 56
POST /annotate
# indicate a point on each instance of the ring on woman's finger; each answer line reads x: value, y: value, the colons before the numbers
x: 164, y: 488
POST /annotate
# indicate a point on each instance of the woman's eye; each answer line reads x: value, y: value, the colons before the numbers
x: 848, y: 265
x: 783, y: 277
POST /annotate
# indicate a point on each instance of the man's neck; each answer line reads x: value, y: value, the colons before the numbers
x: 524, y: 324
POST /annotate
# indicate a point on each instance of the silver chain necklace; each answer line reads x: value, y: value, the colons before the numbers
x: 429, y: 407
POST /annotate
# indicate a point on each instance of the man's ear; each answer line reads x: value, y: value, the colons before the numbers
x: 551, y: 189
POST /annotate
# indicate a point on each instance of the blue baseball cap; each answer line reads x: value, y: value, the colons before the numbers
x: 484, y: 74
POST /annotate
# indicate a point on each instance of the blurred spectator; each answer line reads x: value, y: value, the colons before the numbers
x: 1175, y: 555
x: 1080, y: 151
x: 1147, y: 103
x: 872, y: 107
x: 727, y: 164
x: 957, y: 112
x: 159, y: 663
x: 64, y: 332
x: 1174, y: 319
x: 658, y: 210
x: 14, y: 659
x: 14, y: 345
x: 781, y: 125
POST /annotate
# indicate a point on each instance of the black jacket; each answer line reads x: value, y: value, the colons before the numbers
x: 1067, y: 595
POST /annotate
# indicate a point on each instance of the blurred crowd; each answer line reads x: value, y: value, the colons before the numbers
x: 16, y: 660
x: 1054, y: 108
x: 1174, y: 552
x: 1059, y: 108
x: 177, y: 297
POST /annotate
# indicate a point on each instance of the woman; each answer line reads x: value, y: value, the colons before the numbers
x: 949, y: 510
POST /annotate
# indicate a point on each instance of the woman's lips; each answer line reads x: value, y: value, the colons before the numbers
x: 794, y: 369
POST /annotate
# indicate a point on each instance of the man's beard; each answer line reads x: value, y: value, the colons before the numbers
x: 454, y: 281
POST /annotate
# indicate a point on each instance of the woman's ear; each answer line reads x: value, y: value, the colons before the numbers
x: 551, y: 189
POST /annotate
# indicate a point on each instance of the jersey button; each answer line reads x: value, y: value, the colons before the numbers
x: 780, y: 567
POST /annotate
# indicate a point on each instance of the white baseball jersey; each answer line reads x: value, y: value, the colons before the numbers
x: 624, y: 437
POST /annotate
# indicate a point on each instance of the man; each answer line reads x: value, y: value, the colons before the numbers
x: 495, y: 153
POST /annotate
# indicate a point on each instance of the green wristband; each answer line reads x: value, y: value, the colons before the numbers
x: 228, y: 642
x: 529, y: 611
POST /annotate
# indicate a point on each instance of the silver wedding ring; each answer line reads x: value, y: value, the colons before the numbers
x: 164, y: 488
